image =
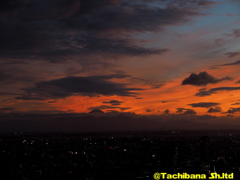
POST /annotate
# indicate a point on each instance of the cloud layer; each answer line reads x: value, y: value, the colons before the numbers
x: 64, y: 58
x: 54, y: 30
x: 86, y: 86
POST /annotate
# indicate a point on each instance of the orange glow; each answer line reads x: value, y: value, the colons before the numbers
x: 171, y: 96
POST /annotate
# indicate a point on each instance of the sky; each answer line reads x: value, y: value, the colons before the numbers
x: 89, y: 65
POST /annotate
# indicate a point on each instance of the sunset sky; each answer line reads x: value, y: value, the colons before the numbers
x: 160, y: 63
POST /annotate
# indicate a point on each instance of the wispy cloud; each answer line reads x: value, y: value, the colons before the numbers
x: 214, y: 90
x: 204, y: 104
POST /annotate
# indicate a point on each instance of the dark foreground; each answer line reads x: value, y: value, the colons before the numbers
x: 116, y: 156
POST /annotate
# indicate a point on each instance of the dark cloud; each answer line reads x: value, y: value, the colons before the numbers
x: 214, y: 109
x: 46, y: 10
x: 7, y: 109
x: 230, y: 64
x: 167, y: 111
x: 164, y: 101
x: 3, y: 76
x: 86, y: 86
x: 10, y: 74
x: 204, y: 93
x: 124, y: 108
x: 235, y: 104
x: 9, y: 94
x: 36, y: 32
x: 126, y: 16
x: 55, y: 49
x: 51, y: 9
x: 11, y: 6
x: 225, y: 89
x: 114, y: 102
x: 202, y: 79
x: 186, y: 111
x: 204, y: 104
x: 232, y: 54
x: 150, y: 110
x: 233, y: 110
x: 190, y: 112
x: 57, y: 30
x: 214, y: 90
x: 109, y: 107
x: 148, y: 22
x: 89, y: 44
x: 180, y: 110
